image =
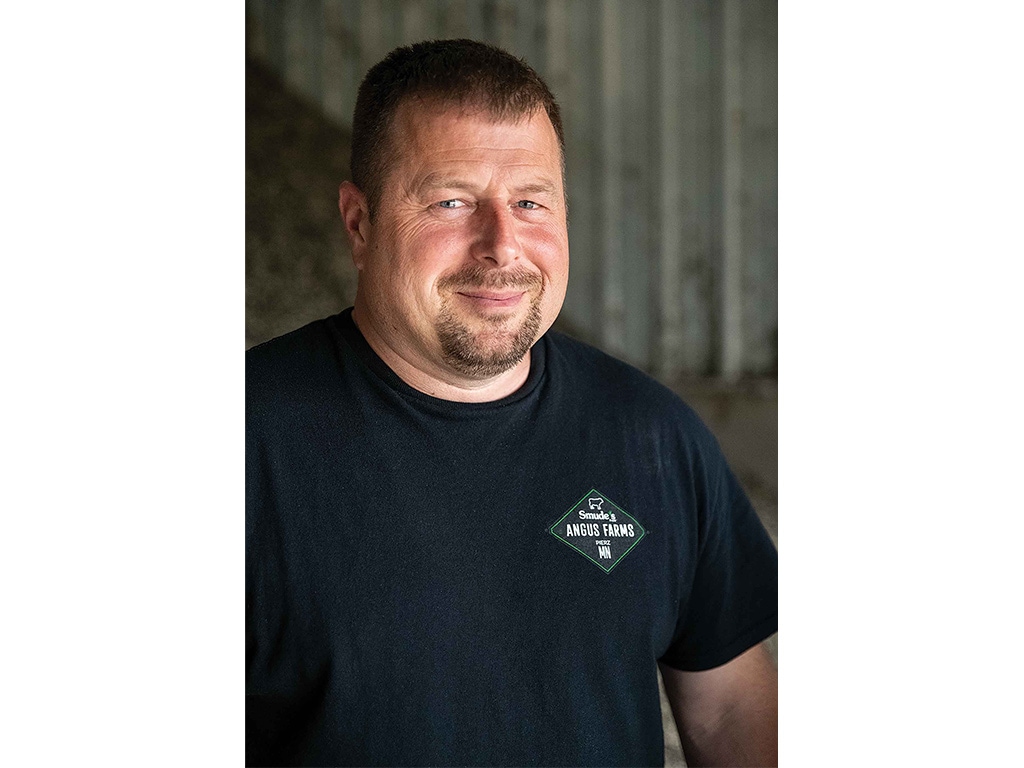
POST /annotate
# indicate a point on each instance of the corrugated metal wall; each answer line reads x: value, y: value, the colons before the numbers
x: 671, y: 131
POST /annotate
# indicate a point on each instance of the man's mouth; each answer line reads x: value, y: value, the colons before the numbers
x: 492, y: 295
x: 484, y: 298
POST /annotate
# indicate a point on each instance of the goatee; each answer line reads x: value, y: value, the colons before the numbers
x: 492, y: 349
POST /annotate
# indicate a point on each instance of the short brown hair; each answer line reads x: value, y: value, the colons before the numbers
x: 463, y: 72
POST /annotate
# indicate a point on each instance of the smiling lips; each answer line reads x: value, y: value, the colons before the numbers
x: 493, y: 298
x: 487, y: 290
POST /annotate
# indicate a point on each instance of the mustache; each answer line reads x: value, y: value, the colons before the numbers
x: 480, y: 277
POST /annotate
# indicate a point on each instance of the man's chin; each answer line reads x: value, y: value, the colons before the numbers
x: 502, y: 346
x: 483, y: 349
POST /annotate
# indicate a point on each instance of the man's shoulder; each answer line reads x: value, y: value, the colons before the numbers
x: 594, y: 373
x: 589, y: 365
x: 296, y: 359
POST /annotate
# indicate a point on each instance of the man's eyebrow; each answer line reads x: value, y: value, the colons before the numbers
x: 444, y: 181
x: 545, y: 187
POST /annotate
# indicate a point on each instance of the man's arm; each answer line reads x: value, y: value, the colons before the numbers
x: 727, y: 716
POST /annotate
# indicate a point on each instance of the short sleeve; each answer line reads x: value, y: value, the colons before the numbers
x: 733, y: 602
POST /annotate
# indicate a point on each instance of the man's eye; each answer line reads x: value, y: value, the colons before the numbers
x: 527, y: 204
x: 449, y: 204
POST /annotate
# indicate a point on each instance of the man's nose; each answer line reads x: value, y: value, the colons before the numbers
x: 497, y: 240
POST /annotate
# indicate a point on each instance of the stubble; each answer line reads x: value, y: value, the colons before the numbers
x: 494, y: 344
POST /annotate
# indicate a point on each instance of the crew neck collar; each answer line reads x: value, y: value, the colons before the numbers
x: 355, y: 339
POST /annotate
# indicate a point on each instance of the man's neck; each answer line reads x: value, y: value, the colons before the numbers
x: 443, y: 384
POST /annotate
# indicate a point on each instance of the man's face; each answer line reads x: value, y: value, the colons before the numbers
x: 466, y: 259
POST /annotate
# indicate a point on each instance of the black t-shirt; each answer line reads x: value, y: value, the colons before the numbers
x: 441, y: 583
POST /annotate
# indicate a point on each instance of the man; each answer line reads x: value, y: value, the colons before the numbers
x: 470, y: 541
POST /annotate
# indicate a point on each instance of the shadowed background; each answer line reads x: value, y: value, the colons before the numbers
x: 671, y: 150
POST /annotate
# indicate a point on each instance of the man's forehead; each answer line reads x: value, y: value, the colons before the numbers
x: 424, y: 124
x: 437, y: 146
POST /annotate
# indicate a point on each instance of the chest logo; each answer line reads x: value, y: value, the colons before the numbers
x: 599, y: 529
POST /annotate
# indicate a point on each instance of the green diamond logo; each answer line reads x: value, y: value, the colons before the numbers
x: 599, y: 529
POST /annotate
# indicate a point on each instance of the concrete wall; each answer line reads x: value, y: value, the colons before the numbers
x: 670, y: 115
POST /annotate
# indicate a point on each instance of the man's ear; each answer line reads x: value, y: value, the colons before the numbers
x: 355, y: 213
